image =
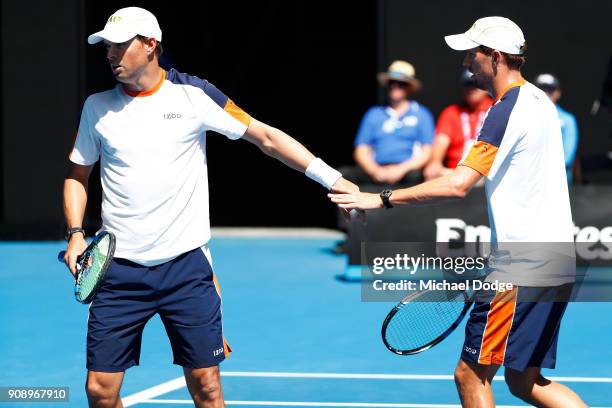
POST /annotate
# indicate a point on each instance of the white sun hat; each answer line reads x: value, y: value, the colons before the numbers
x: 499, y: 33
x: 127, y: 23
x: 402, y: 71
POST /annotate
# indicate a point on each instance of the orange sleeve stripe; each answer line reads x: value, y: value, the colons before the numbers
x: 481, y: 157
x: 238, y: 114
x: 497, y: 330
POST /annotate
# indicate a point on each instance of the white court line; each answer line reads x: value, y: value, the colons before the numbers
x: 445, y: 377
x: 178, y: 383
x: 328, y: 404
x: 161, y: 389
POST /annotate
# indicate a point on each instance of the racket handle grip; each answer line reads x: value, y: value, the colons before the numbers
x: 60, y: 258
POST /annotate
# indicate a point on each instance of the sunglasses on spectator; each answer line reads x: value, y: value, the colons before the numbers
x: 399, y: 84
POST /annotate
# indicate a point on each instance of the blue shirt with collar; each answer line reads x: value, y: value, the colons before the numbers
x: 393, y: 138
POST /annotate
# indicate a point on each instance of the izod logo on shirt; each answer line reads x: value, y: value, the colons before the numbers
x: 172, y: 115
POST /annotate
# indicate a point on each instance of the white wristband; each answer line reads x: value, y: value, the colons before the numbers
x: 322, y: 173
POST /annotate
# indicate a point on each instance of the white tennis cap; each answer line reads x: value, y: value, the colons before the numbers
x: 127, y: 23
x: 498, y: 33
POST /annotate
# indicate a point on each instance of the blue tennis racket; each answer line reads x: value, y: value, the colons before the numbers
x: 92, y: 265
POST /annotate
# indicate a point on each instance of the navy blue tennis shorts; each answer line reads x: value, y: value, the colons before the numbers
x: 517, y: 328
x: 183, y: 291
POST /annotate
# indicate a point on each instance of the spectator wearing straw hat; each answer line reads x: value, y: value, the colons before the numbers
x: 393, y: 143
x: 458, y: 127
x: 569, y: 128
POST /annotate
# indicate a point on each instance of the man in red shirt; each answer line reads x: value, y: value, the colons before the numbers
x: 457, y: 128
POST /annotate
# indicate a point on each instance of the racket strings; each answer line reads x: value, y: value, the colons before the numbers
x: 92, y: 266
x: 423, y: 320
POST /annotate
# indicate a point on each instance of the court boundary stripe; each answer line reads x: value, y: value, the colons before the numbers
x: 444, y: 377
x: 179, y: 382
x: 328, y: 404
x: 154, y: 391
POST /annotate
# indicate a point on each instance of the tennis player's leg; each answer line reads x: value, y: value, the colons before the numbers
x: 103, y: 389
x: 533, y: 388
x: 483, y: 350
x: 117, y: 317
x: 532, y: 345
x: 204, y: 385
x: 473, y: 383
x: 191, y: 314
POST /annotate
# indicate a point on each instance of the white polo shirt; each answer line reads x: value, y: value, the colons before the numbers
x: 152, y: 151
x: 520, y: 152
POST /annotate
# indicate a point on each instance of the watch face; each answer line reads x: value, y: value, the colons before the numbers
x: 384, y: 196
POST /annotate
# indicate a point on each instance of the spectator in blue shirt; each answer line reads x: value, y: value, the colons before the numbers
x: 569, y: 129
x: 393, y: 143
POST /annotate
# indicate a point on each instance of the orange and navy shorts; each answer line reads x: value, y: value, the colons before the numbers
x: 516, y: 328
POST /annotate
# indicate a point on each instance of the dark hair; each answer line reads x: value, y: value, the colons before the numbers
x: 513, y: 61
x: 159, y: 50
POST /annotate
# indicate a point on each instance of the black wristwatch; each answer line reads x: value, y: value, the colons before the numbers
x: 384, y: 196
x: 74, y: 230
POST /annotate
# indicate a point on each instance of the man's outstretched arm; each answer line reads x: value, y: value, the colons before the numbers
x: 276, y: 143
x: 453, y: 186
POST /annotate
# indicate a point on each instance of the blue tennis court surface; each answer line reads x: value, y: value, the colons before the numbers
x: 301, y: 337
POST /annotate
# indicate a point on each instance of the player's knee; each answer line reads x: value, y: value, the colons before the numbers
x: 519, y: 385
x: 210, y: 391
x: 462, y: 373
x: 208, y: 385
x: 519, y: 389
x: 468, y: 374
x: 100, y: 391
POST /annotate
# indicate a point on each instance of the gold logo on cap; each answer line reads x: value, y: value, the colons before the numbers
x: 114, y: 19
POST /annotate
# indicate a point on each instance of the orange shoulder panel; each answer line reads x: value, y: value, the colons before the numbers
x: 238, y: 114
x: 480, y: 157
